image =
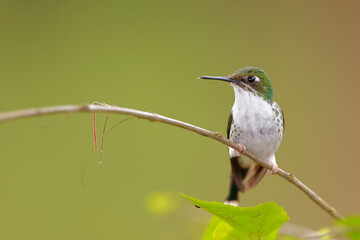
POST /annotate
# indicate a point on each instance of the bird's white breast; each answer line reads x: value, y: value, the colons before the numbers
x: 257, y: 124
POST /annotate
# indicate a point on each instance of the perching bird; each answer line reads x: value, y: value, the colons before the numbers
x: 255, y: 121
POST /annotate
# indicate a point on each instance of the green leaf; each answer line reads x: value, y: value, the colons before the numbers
x: 260, y: 221
x: 221, y: 230
x: 350, y: 226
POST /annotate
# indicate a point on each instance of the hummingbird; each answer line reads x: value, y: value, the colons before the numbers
x: 256, y: 122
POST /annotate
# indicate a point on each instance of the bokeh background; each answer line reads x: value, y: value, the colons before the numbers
x: 147, y: 55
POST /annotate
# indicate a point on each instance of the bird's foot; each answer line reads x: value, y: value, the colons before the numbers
x: 274, y: 169
x: 218, y: 134
x: 242, y: 148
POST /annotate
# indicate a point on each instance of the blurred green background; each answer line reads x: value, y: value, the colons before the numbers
x: 147, y: 55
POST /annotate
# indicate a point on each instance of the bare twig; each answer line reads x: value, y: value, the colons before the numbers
x: 6, y: 116
x: 94, y: 132
x: 102, y: 141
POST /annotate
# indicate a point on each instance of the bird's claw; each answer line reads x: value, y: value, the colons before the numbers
x: 274, y: 169
x: 242, y: 148
x: 218, y: 134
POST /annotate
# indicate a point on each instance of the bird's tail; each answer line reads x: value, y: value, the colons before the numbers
x: 243, y: 179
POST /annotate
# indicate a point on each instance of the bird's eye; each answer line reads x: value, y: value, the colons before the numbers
x: 252, y: 79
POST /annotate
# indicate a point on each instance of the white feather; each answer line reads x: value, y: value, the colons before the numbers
x: 257, y: 124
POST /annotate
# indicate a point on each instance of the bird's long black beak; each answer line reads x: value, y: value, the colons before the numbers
x: 226, y: 79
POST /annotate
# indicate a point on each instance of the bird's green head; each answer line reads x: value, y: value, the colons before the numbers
x: 251, y: 79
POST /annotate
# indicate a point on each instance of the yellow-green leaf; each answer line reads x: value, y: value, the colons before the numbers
x: 259, y: 221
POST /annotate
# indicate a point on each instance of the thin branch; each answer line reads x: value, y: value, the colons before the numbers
x: 94, y: 132
x: 6, y: 116
x: 102, y: 140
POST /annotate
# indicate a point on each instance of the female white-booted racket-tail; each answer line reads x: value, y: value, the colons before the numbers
x: 255, y: 121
